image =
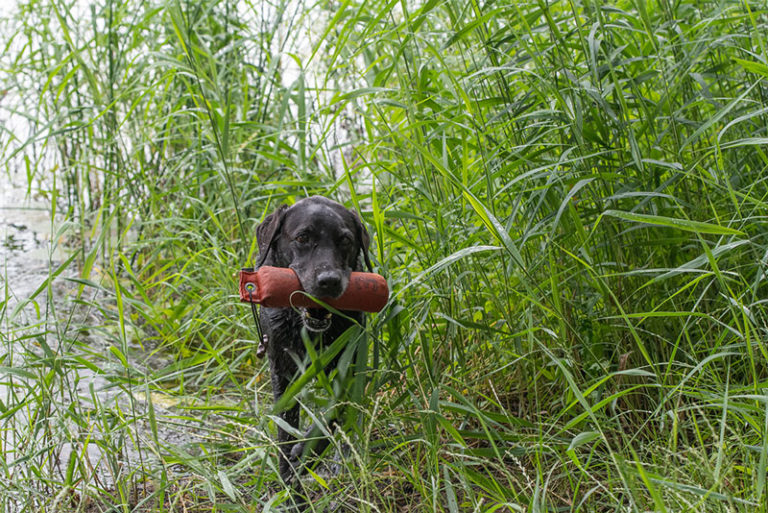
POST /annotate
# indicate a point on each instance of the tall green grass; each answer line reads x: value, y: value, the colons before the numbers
x: 567, y: 198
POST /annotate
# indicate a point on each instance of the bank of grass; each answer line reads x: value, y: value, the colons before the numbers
x: 568, y: 200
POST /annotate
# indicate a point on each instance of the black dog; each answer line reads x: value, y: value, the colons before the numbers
x: 321, y: 241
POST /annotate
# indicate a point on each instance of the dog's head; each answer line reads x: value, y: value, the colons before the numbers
x: 321, y: 241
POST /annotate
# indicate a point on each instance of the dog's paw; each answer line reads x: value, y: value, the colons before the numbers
x: 297, y: 451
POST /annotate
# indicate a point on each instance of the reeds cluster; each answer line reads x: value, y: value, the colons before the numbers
x: 568, y: 199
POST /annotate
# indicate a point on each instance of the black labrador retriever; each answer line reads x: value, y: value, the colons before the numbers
x: 321, y: 241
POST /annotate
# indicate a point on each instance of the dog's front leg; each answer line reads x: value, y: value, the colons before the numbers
x: 315, y: 440
x: 290, y: 416
x: 284, y: 350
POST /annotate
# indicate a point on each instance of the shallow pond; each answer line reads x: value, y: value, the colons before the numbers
x: 70, y: 410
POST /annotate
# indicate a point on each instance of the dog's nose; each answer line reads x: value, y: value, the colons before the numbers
x: 329, y: 283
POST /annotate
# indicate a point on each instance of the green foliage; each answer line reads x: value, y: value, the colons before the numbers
x: 568, y: 200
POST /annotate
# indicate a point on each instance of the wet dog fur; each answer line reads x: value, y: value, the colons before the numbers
x: 323, y: 242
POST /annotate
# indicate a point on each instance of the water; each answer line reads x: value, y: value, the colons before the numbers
x: 49, y: 331
x: 26, y: 248
x: 50, y: 399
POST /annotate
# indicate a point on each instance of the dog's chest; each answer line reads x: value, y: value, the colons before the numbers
x: 283, y: 328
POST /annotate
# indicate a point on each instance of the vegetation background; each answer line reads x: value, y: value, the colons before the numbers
x: 568, y: 198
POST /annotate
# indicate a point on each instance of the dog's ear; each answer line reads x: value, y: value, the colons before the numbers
x: 267, y: 232
x: 363, y: 238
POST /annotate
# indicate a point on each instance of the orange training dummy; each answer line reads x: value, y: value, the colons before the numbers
x: 279, y: 287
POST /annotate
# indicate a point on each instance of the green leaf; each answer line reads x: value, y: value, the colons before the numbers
x: 226, y: 485
x: 120, y: 356
x: 582, y: 439
x: 317, y: 478
x: 755, y: 67
x: 672, y: 222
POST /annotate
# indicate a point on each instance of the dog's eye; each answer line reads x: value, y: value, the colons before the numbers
x: 346, y: 241
x: 302, y: 238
